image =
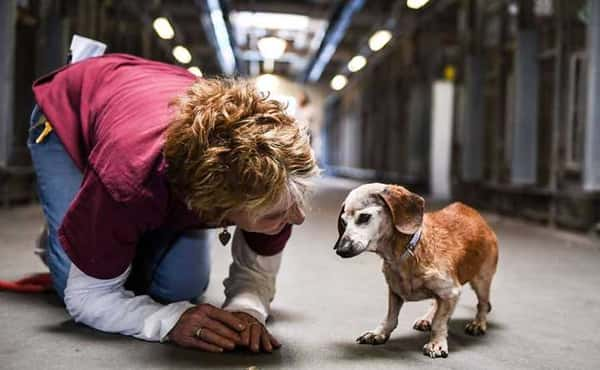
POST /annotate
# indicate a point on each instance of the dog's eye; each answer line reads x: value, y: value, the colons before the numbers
x: 363, y: 218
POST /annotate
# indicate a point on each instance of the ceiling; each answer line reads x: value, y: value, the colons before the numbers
x: 307, y: 26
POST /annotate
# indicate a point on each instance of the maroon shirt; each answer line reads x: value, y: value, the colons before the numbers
x: 110, y: 113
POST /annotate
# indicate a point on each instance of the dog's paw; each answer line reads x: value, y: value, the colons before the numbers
x: 422, y: 325
x: 372, y: 337
x: 476, y: 327
x: 436, y: 348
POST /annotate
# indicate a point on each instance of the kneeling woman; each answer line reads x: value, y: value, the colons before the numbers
x: 134, y: 159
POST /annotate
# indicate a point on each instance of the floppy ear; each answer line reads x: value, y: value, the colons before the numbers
x: 406, y: 208
x: 341, y: 223
x: 341, y: 228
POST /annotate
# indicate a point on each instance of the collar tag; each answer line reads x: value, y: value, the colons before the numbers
x: 412, y: 244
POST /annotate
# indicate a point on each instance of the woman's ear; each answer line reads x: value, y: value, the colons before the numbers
x: 406, y: 208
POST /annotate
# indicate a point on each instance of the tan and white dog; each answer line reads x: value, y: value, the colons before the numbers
x: 425, y: 256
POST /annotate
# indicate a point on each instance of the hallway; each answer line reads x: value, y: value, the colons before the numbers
x: 540, y: 318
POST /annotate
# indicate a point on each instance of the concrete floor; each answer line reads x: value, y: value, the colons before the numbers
x: 546, y: 308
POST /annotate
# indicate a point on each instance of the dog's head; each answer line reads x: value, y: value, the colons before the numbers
x: 372, y: 213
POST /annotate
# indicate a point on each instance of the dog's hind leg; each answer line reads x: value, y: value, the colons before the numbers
x: 381, y: 334
x: 424, y: 323
x: 481, y: 285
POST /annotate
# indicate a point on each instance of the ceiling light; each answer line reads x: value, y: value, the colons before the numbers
x: 379, y: 39
x: 283, y: 21
x: 182, y: 54
x: 163, y: 28
x: 195, y: 71
x: 267, y: 82
x: 416, y: 4
x: 357, y: 63
x: 338, y: 82
x: 271, y: 47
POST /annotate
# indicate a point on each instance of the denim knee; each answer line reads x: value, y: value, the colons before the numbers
x: 188, y: 286
x: 184, y: 273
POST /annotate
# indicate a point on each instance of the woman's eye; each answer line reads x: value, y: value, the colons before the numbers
x: 363, y: 218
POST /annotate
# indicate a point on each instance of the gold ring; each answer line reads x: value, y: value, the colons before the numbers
x: 198, y: 333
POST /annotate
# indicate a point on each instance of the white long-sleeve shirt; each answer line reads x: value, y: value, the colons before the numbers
x: 106, y: 305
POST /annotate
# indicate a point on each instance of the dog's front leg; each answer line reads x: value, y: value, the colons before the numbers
x: 438, y: 341
x: 381, y: 334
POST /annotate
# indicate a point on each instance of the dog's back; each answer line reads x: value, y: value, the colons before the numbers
x: 466, y: 238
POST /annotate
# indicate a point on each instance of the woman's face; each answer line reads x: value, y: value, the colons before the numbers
x: 270, y: 220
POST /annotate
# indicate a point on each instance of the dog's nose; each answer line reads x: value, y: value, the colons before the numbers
x: 341, y: 243
x: 344, y: 248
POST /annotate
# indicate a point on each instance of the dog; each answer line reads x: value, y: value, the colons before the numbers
x: 425, y: 256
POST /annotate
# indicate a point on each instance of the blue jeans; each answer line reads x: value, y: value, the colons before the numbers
x: 177, y: 264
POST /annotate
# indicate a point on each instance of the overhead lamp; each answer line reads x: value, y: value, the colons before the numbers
x: 268, y: 20
x: 163, y: 28
x: 416, y: 4
x: 271, y: 47
x: 357, y: 63
x: 338, y: 82
x: 267, y: 82
x: 379, y: 39
x: 195, y: 71
x: 182, y: 54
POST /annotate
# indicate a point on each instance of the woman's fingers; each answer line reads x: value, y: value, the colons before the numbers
x: 256, y: 337
x: 245, y: 337
x: 255, y: 332
x: 213, y: 338
x: 274, y: 341
x: 196, y: 343
x: 222, y: 330
x: 266, y: 341
x: 226, y: 318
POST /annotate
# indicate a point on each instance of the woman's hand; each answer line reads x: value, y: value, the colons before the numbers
x: 255, y: 336
x: 208, y: 328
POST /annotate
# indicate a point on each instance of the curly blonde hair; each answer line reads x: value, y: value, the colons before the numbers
x: 231, y: 147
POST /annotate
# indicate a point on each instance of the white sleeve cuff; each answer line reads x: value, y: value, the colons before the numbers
x: 249, y: 303
x: 163, y: 321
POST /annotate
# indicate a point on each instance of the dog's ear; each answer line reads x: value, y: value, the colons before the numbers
x: 406, y: 208
x: 341, y: 228
x: 341, y: 223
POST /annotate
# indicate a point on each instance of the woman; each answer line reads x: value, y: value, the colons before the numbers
x: 134, y: 158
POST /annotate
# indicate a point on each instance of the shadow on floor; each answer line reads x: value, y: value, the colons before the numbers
x: 409, y: 345
x: 153, y: 354
x: 48, y: 299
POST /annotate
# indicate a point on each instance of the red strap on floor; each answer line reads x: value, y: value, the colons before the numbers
x: 37, y: 283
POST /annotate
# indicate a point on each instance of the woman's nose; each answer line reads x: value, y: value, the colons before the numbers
x: 296, y: 215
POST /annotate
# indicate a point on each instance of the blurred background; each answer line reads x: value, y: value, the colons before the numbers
x: 491, y: 102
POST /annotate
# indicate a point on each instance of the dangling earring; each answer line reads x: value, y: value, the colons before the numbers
x: 224, y: 236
